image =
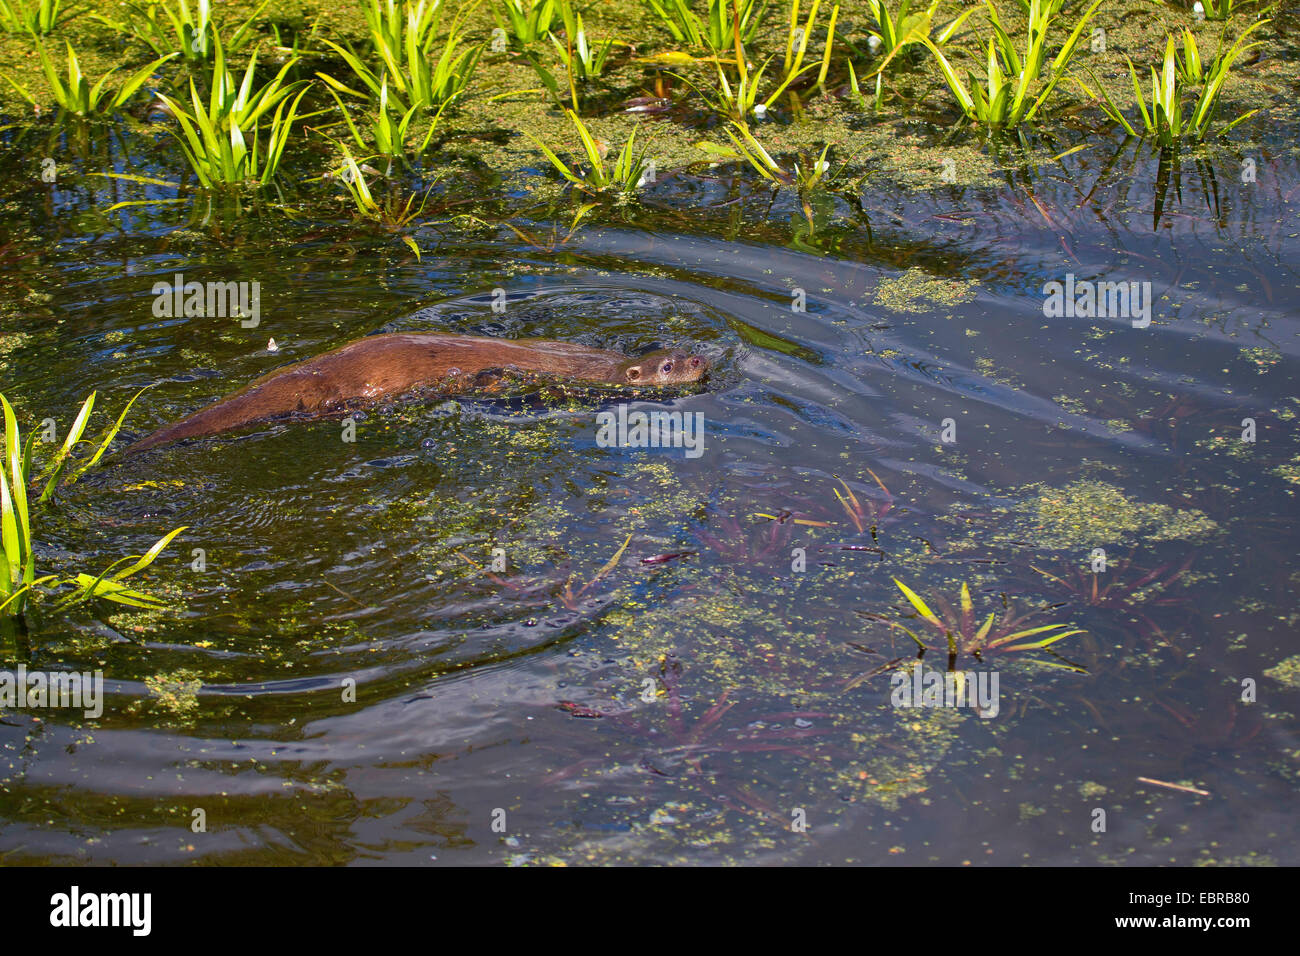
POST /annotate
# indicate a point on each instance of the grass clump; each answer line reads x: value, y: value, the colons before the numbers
x: 17, y: 555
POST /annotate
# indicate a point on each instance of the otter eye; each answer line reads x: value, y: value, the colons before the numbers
x: 667, y: 367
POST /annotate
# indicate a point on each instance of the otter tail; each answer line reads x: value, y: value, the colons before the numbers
x: 228, y: 414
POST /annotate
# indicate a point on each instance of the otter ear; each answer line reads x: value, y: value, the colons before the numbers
x: 633, y: 373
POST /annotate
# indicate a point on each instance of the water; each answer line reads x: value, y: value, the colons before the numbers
x: 347, y: 681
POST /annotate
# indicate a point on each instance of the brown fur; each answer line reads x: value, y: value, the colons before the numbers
x: 384, y: 366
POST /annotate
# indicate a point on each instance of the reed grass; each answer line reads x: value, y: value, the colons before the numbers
x: 583, y: 59
x: 526, y: 20
x: 215, y: 135
x: 1016, y: 86
x: 33, y: 17
x: 424, y: 72
x: 737, y: 93
x: 393, y: 214
x: 77, y: 95
x: 622, y: 178
x: 17, y: 556
x: 905, y: 28
x: 1170, y: 119
x: 178, y: 28
x: 714, y: 29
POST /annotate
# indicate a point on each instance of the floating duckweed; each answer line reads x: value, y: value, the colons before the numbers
x: 1262, y: 358
x: 1286, y: 672
x: 177, y: 691
x: 1090, y: 513
x: 13, y: 340
x: 918, y: 291
x: 888, y: 776
x: 1289, y: 472
x: 1072, y: 405
x: 1227, y: 444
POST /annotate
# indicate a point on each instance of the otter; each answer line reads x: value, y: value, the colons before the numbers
x: 385, y: 366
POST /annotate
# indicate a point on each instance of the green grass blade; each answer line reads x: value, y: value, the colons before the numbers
x: 915, y: 600
x: 57, y: 463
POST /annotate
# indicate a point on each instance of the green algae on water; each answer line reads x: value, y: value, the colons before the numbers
x: 1286, y: 672
x: 1091, y: 513
x: 916, y: 290
x: 176, y: 692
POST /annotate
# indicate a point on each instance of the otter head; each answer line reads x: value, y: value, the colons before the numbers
x: 665, y: 367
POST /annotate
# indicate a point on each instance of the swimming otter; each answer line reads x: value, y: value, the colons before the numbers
x: 383, y: 366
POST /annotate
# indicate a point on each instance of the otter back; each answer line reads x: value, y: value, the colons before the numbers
x: 383, y: 366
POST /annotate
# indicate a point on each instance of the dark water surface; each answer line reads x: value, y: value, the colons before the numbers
x: 687, y: 709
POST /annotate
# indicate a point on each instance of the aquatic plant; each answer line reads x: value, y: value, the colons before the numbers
x: 393, y: 214
x: 806, y: 175
x: 1223, y: 725
x: 736, y: 97
x: 1191, y: 69
x: 525, y: 20
x: 34, y: 17
x: 221, y: 155
x: 422, y: 73
x: 582, y: 61
x: 760, y: 160
x: 570, y: 598
x: 17, y: 561
x: 78, y: 96
x: 387, y: 132
x: 390, y: 24
x: 736, y: 92
x: 855, y: 89
x: 581, y: 58
x: 240, y: 103
x: 796, y: 43
x: 1125, y: 588
x: 714, y: 30
x: 54, y: 469
x: 673, y: 736
x: 1168, y: 120
x: 959, y: 629
x: 1006, y: 100
x: 107, y: 584
x: 215, y: 136
x: 905, y: 28
x: 175, y: 28
x: 1053, y: 6
x: 299, y: 42
x: 829, y: 49
x: 17, y: 557
x: 743, y: 545
x: 622, y: 178
x: 894, y: 35
x: 1224, y: 9
x: 863, y: 518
